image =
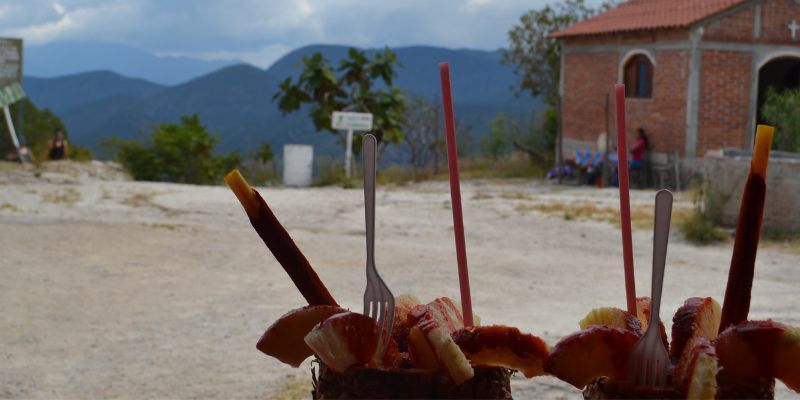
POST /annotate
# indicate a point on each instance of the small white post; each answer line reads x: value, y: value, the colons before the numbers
x: 348, y: 153
x: 11, y: 127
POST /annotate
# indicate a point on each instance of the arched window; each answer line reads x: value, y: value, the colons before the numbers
x: 639, y: 77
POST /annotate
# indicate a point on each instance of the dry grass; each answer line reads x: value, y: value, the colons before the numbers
x: 481, y: 195
x: 9, y: 206
x: 641, y: 216
x: 515, y: 165
x: 140, y: 200
x: 785, y: 242
x: 146, y: 200
x: 166, y: 226
x: 106, y: 193
x: 293, y: 388
x: 68, y: 195
x: 518, y: 195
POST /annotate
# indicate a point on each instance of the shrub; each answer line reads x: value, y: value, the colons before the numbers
x: 700, y: 226
x: 180, y: 153
x: 782, y: 110
x: 332, y: 173
x: 699, y: 230
x: 497, y: 142
x: 79, y: 153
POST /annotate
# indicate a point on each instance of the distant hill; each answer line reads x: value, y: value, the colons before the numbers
x: 66, y: 92
x: 57, y: 59
x: 477, y: 75
x: 236, y: 100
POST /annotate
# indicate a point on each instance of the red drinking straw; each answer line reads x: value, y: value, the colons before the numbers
x: 625, y: 200
x: 455, y: 193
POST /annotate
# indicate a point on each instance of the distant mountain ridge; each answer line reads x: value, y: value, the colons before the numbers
x: 66, y: 92
x: 237, y: 100
x: 476, y: 74
x: 56, y: 59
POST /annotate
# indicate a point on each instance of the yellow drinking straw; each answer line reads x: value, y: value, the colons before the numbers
x: 761, y: 150
x: 243, y: 192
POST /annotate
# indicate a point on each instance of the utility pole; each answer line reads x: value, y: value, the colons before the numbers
x: 559, y: 142
x: 607, y: 168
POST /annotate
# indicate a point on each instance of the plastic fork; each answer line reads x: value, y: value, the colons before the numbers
x: 378, y: 299
x: 648, y: 361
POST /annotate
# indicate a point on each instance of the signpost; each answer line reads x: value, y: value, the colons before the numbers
x: 10, y: 79
x: 350, y: 121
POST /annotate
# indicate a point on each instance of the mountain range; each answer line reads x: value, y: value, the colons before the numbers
x: 61, y: 58
x: 236, y: 100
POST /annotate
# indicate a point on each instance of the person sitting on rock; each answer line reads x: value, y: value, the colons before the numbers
x: 57, y: 148
x: 23, y: 154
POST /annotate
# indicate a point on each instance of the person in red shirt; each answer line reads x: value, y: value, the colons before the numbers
x: 637, y: 148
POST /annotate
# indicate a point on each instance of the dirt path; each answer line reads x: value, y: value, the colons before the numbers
x: 113, y: 289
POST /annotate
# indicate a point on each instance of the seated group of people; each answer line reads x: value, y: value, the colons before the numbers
x: 592, y: 162
x: 57, y: 149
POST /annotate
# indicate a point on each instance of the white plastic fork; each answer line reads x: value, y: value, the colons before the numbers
x: 378, y: 299
x: 648, y: 361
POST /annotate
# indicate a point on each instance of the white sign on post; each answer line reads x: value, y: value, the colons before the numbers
x: 352, y: 121
x: 11, y: 94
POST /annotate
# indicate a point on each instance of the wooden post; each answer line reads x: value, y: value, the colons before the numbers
x: 559, y: 142
x: 607, y: 167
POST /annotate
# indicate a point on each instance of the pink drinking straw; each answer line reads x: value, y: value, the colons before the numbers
x: 455, y: 193
x: 625, y: 200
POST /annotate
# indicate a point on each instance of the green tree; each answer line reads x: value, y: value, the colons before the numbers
x: 37, y: 128
x: 497, y: 142
x: 535, y: 57
x: 782, y: 110
x: 353, y: 90
x: 170, y: 152
x: 265, y: 153
x: 530, y: 133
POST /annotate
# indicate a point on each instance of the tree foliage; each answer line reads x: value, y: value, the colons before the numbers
x: 423, y: 131
x: 180, y: 153
x: 532, y: 133
x: 353, y: 90
x: 37, y: 128
x: 264, y: 153
x: 782, y: 110
x: 533, y: 56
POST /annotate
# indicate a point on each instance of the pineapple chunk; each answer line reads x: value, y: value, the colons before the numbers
x: 431, y: 336
x: 612, y: 316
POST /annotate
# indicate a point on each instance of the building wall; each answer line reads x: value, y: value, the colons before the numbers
x: 664, y: 116
x: 776, y: 15
x: 588, y: 77
x: 725, y: 105
x: 724, y: 100
x: 781, y: 211
x: 735, y: 28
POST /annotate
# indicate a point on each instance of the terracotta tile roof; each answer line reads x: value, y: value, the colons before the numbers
x: 648, y: 14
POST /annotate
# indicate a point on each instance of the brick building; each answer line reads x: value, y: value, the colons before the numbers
x: 696, y: 71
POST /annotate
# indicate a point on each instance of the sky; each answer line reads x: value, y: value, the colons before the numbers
x: 261, y: 31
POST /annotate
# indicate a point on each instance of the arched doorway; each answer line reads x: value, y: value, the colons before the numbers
x: 781, y: 73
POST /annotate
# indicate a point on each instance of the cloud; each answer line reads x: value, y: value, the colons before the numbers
x: 260, y: 31
x: 263, y: 57
x: 108, y: 21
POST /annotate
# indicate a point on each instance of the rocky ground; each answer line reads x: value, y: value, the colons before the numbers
x: 119, y: 289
